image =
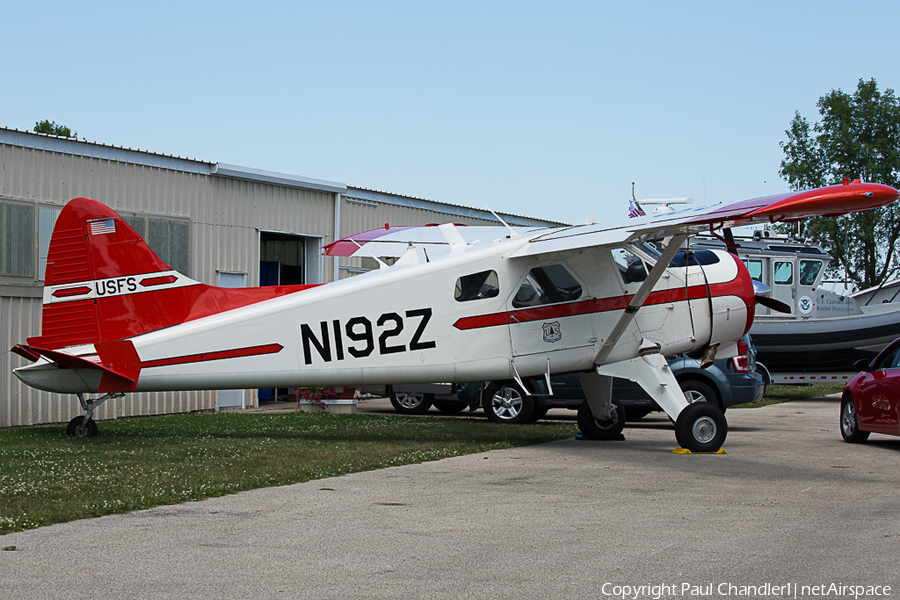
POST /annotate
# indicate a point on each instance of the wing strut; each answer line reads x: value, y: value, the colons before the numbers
x: 640, y: 297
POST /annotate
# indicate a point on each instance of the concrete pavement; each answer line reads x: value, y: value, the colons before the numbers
x: 789, y: 504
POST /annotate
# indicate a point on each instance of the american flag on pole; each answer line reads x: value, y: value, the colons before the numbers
x: 101, y: 227
x: 635, y: 210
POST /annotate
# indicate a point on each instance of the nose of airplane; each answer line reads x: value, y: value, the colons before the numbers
x: 763, y: 295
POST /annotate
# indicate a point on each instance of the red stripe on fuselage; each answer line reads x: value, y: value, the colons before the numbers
x: 220, y: 355
x: 741, y: 286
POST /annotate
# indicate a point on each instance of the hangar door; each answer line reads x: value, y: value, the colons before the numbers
x: 282, y: 261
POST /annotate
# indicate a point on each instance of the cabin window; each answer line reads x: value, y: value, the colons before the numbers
x: 755, y: 267
x: 547, y: 285
x: 631, y: 268
x: 477, y: 286
x: 784, y: 273
x: 809, y: 272
x: 694, y: 257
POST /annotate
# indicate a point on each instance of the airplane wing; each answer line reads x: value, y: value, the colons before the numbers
x: 395, y: 241
x: 833, y: 200
x: 792, y: 206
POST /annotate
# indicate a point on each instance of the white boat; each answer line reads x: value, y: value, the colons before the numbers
x: 826, y: 330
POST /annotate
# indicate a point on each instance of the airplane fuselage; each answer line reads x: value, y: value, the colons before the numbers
x: 409, y: 323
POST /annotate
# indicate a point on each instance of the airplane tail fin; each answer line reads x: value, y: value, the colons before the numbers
x: 97, y: 265
x: 103, y: 283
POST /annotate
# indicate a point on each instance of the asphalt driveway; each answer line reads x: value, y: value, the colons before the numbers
x: 790, y: 504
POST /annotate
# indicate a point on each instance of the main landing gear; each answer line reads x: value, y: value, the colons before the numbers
x: 699, y: 426
x: 85, y: 426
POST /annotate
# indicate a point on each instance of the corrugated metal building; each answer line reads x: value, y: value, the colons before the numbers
x: 220, y: 224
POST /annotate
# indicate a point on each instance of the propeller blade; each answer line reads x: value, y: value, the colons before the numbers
x: 776, y: 305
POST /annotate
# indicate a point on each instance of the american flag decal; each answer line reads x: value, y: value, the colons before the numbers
x: 101, y: 227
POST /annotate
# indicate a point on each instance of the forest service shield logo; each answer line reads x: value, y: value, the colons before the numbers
x: 552, y: 332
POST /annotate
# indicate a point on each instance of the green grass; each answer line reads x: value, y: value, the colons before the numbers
x: 47, y: 477
x: 776, y: 394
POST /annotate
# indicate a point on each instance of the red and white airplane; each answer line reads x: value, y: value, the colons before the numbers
x: 458, y: 304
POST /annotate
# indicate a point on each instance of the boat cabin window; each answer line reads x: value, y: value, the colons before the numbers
x: 547, y: 285
x: 809, y: 272
x: 754, y: 265
x: 631, y: 268
x: 477, y: 286
x: 784, y: 273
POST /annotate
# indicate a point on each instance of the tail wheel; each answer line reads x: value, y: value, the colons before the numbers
x: 701, y: 427
x: 850, y: 430
x: 82, y: 427
x: 601, y: 429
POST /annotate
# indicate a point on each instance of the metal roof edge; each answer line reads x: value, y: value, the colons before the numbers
x: 295, y: 181
x: 55, y: 143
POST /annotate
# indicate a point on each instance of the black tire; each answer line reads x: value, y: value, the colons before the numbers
x: 634, y: 414
x: 697, y: 391
x: 538, y: 413
x: 508, y: 404
x: 450, y: 407
x: 850, y: 430
x: 78, y: 427
x: 701, y: 427
x: 762, y: 370
x: 410, y: 403
x: 597, y: 429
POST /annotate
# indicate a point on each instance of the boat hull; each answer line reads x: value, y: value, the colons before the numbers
x: 834, y: 344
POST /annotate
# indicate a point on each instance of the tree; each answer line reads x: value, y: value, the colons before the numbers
x: 858, y: 137
x: 52, y: 128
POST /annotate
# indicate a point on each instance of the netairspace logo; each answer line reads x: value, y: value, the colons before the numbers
x: 730, y: 590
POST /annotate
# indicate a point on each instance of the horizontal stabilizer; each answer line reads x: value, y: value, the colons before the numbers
x: 118, y: 361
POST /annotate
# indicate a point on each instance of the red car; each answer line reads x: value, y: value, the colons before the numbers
x: 871, y: 401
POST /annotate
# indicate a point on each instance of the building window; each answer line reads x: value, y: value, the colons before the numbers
x: 169, y: 238
x: 47, y: 216
x: 17, y: 235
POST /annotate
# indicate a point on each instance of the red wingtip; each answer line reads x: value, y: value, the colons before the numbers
x: 832, y: 200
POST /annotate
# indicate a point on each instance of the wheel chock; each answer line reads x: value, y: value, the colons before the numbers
x: 686, y: 451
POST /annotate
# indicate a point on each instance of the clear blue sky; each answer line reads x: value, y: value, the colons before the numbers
x: 548, y: 109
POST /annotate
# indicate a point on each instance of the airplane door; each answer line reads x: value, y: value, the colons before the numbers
x: 231, y: 399
x: 544, y: 317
